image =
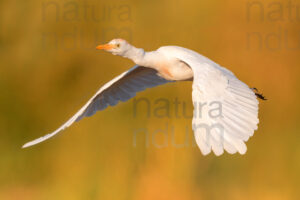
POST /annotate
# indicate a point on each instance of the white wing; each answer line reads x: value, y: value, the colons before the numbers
x: 121, y: 88
x: 225, y: 109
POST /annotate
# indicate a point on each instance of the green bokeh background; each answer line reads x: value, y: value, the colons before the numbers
x: 50, y: 68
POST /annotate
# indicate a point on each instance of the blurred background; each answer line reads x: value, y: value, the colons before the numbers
x: 50, y: 68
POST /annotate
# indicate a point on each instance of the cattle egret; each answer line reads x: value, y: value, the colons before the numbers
x: 211, y: 83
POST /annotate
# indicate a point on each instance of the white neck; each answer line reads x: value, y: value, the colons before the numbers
x: 140, y: 57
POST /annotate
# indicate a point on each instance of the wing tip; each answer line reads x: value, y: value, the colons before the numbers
x: 34, y: 142
x: 28, y: 144
x: 38, y: 140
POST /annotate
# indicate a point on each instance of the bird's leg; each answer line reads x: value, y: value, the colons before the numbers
x: 259, y: 95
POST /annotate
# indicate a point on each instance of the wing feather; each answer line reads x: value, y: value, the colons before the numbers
x: 239, y: 106
x: 121, y: 88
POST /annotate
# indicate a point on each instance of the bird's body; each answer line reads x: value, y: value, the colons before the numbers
x: 212, y: 84
x: 175, y: 70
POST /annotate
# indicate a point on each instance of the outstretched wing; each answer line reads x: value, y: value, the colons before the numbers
x: 229, y: 116
x: 225, y: 109
x: 121, y: 88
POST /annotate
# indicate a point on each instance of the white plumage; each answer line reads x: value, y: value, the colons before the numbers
x: 212, y: 84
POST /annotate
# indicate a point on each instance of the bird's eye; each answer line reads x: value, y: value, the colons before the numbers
x: 118, y: 45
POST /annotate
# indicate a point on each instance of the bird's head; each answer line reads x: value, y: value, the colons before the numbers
x: 116, y: 47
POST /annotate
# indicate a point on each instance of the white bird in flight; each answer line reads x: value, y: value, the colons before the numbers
x: 211, y: 83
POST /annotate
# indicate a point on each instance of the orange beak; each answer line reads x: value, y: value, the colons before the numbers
x: 105, y: 47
